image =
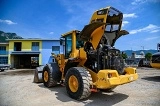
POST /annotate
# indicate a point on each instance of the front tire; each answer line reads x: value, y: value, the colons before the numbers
x: 48, y: 80
x: 77, y: 83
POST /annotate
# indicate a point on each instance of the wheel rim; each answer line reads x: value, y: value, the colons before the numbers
x: 73, y: 83
x: 45, y: 76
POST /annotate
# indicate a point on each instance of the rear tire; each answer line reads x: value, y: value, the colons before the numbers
x: 77, y: 83
x: 48, y: 80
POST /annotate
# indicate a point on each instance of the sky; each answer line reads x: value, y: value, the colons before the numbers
x: 48, y: 19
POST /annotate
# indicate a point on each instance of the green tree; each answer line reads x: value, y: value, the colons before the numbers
x: 124, y: 55
x: 148, y: 56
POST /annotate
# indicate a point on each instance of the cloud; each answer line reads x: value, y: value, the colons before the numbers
x: 51, y: 33
x: 135, y: 2
x: 132, y: 15
x: 9, y: 22
x: 150, y: 28
x: 151, y: 38
x: 155, y: 31
x: 124, y: 23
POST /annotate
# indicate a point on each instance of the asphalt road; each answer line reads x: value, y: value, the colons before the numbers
x: 17, y: 89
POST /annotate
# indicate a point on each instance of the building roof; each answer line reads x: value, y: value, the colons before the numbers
x: 30, y: 39
x: 24, y: 52
x: 4, y: 43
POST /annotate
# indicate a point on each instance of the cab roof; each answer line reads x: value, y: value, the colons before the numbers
x: 70, y: 32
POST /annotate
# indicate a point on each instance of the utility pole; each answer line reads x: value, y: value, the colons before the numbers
x: 142, y: 48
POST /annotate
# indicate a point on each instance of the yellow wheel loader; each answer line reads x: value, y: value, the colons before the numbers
x: 90, y: 62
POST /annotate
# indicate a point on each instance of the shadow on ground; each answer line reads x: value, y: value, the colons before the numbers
x: 153, y: 78
x: 18, y: 72
x: 95, y: 99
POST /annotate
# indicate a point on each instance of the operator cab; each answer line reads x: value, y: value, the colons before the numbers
x: 69, y: 40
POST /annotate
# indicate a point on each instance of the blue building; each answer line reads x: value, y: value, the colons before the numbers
x: 49, y: 47
x: 28, y: 53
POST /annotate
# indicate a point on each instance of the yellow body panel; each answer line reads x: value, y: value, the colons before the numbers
x: 74, y: 52
x: 130, y: 70
x: 98, y: 33
x: 61, y: 62
x: 104, y: 82
x: 95, y: 17
x: 96, y: 36
x: 82, y: 56
x: 155, y: 65
x: 93, y: 75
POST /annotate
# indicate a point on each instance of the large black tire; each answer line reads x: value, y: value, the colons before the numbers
x: 47, y: 77
x: 83, y: 79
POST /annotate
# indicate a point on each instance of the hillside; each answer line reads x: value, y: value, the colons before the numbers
x: 4, y: 36
x: 129, y: 52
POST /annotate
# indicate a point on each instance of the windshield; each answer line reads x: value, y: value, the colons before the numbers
x: 79, y: 43
x: 114, y: 19
x: 112, y: 27
x: 112, y: 11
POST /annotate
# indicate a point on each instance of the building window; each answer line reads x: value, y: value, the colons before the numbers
x: 3, y: 60
x: 17, y: 46
x: 35, y: 46
x: 3, y: 50
x: 56, y: 49
x: 34, y: 62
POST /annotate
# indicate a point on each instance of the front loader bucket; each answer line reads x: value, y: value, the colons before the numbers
x: 38, y: 74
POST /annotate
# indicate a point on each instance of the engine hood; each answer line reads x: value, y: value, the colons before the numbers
x: 85, y: 34
x: 111, y: 37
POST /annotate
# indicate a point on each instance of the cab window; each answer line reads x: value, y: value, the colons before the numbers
x: 68, y: 45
